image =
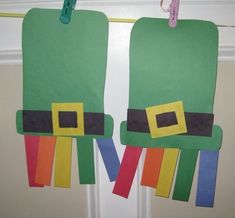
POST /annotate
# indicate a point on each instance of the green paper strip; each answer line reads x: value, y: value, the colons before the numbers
x: 175, y: 141
x: 108, y: 125
x: 185, y: 173
x: 86, y: 166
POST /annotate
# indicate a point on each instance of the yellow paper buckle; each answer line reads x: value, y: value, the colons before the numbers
x: 177, y: 108
x: 68, y: 107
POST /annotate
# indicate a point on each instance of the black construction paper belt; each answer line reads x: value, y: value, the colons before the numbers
x: 198, y: 124
x: 41, y: 121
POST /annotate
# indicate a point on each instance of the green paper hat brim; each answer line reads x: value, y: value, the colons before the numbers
x: 176, y: 141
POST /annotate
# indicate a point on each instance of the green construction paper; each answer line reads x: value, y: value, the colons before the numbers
x: 173, y: 64
x: 185, y: 173
x: 108, y: 127
x: 86, y: 168
x: 64, y: 63
x: 174, y: 141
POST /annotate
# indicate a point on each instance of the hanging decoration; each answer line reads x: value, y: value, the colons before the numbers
x: 171, y: 94
x: 64, y: 70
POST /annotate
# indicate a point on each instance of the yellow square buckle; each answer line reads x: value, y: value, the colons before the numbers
x: 77, y: 126
x: 159, y: 131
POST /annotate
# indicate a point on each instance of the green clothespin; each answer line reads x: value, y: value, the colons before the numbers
x: 66, y: 13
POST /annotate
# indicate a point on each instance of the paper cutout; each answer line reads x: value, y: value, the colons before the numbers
x: 155, y: 130
x: 137, y: 121
x: 63, y: 153
x: 94, y: 123
x: 66, y: 107
x: 175, y: 141
x: 166, y: 176
x: 37, y: 121
x: 166, y: 119
x: 185, y: 173
x: 207, y: 178
x: 110, y: 157
x: 199, y: 124
x: 41, y: 122
x: 152, y: 166
x: 45, y: 160
x: 61, y: 95
x: 68, y: 119
x: 86, y: 166
x: 31, y: 148
x: 172, y: 65
x: 127, y: 171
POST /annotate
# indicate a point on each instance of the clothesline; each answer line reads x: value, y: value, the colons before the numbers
x: 111, y: 19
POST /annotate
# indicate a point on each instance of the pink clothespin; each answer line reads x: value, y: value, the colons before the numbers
x: 173, y: 10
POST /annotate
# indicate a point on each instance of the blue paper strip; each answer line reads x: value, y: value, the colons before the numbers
x: 207, y: 178
x: 110, y: 157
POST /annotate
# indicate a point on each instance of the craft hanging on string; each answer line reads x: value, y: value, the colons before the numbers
x: 64, y: 70
x: 171, y: 94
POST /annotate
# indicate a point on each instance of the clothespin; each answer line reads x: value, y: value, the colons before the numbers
x: 67, y: 10
x: 173, y: 12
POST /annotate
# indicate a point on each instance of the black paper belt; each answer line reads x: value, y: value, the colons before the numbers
x: 198, y: 124
x: 41, y: 121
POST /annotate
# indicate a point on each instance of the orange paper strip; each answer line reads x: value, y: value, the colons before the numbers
x: 45, y: 159
x: 152, y: 166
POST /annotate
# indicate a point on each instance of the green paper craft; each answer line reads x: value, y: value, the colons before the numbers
x: 165, y: 63
x: 55, y: 54
x: 174, y: 141
x: 65, y: 65
x: 169, y: 65
x: 86, y: 160
x: 186, y: 168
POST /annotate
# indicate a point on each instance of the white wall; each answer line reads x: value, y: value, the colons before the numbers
x: 101, y: 202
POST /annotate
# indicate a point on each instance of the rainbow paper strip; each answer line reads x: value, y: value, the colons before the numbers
x: 110, y: 157
x: 152, y: 166
x: 185, y: 173
x: 63, y: 156
x: 86, y: 166
x: 207, y: 178
x: 166, y: 176
x: 127, y: 171
x: 45, y: 160
x: 31, y: 149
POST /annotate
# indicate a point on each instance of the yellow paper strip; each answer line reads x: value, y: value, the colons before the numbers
x: 167, y: 172
x: 63, y: 154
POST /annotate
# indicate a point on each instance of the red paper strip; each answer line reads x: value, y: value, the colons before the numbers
x: 45, y: 159
x: 127, y: 171
x: 31, y: 149
x: 152, y: 166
